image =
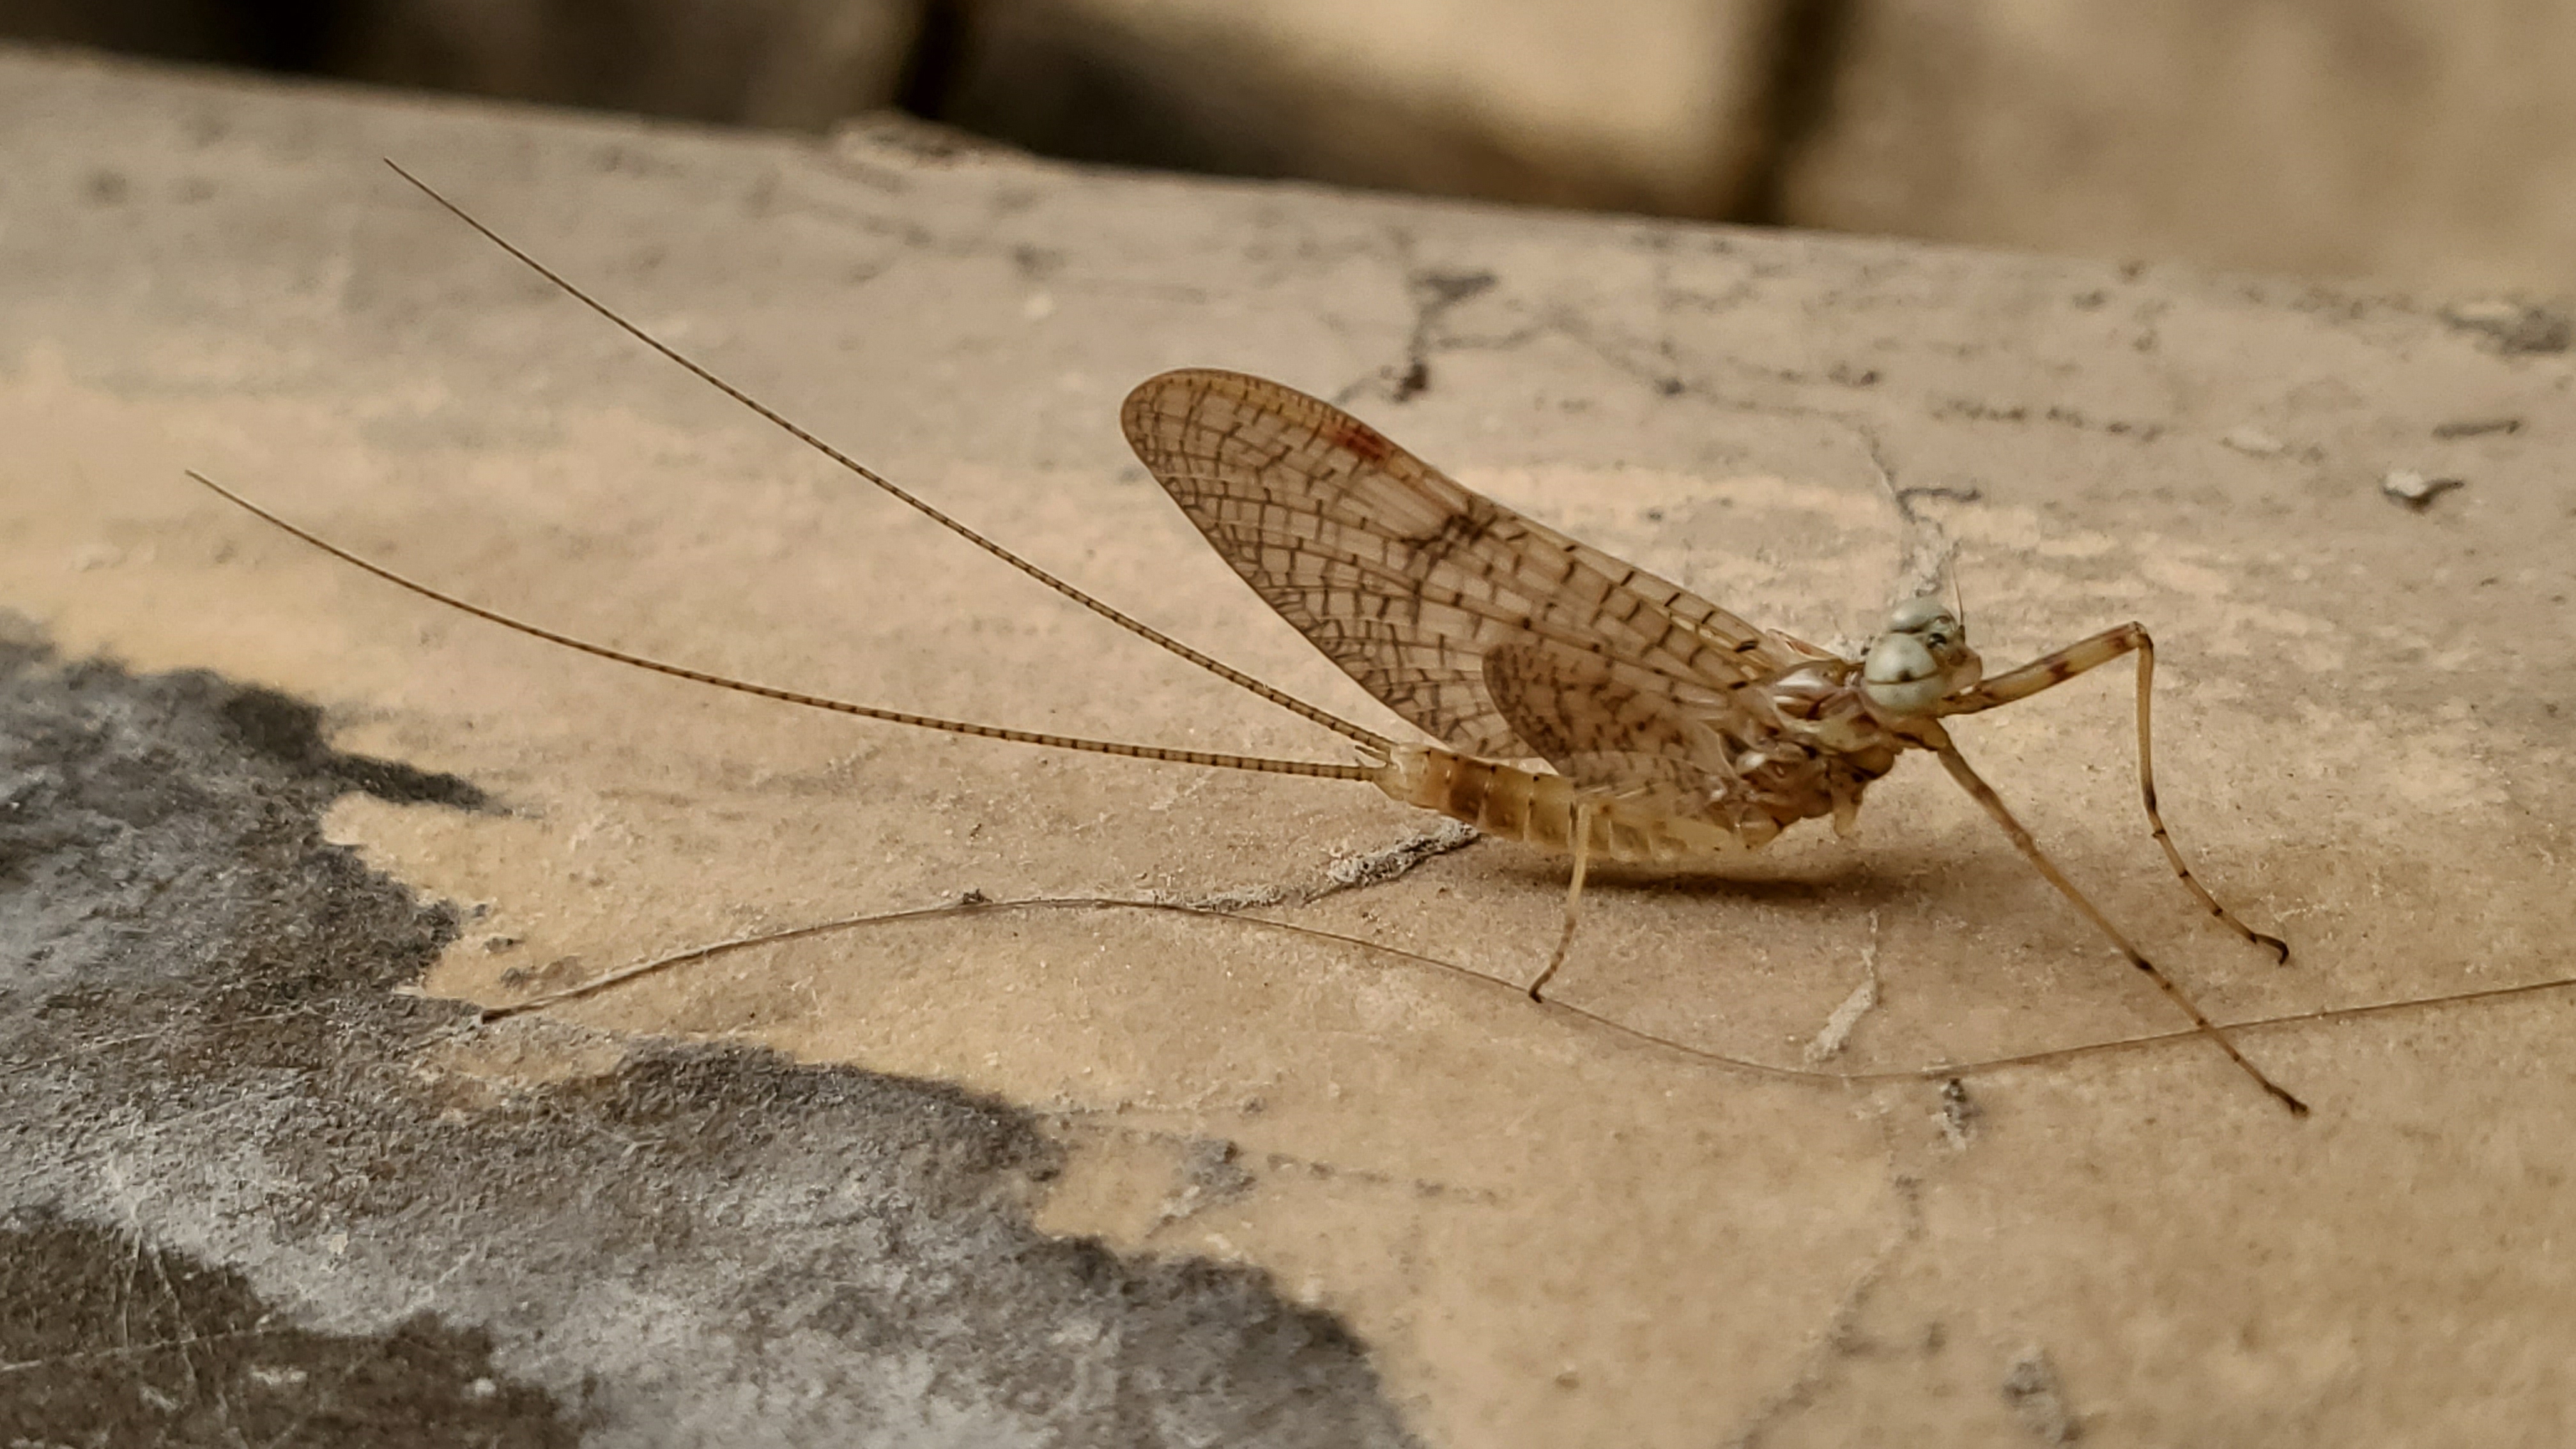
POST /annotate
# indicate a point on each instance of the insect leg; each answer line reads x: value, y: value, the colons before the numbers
x: 2073, y: 660
x: 1985, y: 796
x: 1573, y: 896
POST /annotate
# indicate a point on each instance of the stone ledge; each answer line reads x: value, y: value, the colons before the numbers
x: 1517, y: 1226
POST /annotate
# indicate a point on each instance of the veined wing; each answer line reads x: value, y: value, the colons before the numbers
x: 1633, y: 745
x: 1409, y: 580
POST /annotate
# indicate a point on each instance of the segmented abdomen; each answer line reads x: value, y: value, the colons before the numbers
x: 1539, y: 810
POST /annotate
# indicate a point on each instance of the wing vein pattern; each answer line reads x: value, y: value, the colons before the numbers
x: 1442, y: 603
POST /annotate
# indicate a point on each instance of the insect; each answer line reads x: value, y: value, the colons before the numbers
x: 1674, y: 733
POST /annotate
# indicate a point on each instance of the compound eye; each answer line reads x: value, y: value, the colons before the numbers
x: 1921, y: 615
x: 1901, y: 676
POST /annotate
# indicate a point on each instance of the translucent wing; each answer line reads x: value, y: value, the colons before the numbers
x: 1408, y: 580
x: 1602, y: 734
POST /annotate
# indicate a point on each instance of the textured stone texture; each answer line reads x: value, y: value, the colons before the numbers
x: 1397, y: 1188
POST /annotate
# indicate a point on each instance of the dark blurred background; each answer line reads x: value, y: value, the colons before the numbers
x: 2425, y: 144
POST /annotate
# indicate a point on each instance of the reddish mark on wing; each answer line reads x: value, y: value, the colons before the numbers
x: 1358, y: 437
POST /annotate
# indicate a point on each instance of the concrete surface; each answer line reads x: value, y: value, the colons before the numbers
x: 1041, y: 1174
x: 256, y: 1197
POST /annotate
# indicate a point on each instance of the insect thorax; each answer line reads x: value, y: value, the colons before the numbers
x: 1813, y: 754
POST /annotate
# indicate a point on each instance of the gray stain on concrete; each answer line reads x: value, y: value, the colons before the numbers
x: 246, y: 1204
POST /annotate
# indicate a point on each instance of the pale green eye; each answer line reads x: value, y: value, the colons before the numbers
x: 1919, y: 615
x: 1927, y: 619
x: 1901, y: 676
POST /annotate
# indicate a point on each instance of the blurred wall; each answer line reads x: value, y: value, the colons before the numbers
x: 788, y: 63
x: 2426, y: 143
x: 1641, y: 105
x: 2432, y: 142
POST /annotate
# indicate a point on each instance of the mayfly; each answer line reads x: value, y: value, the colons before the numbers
x: 1676, y: 733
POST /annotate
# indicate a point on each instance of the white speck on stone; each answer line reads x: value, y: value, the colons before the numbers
x: 2416, y: 490
x: 2254, y: 442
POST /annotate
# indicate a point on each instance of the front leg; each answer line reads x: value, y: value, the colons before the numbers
x: 2052, y: 670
